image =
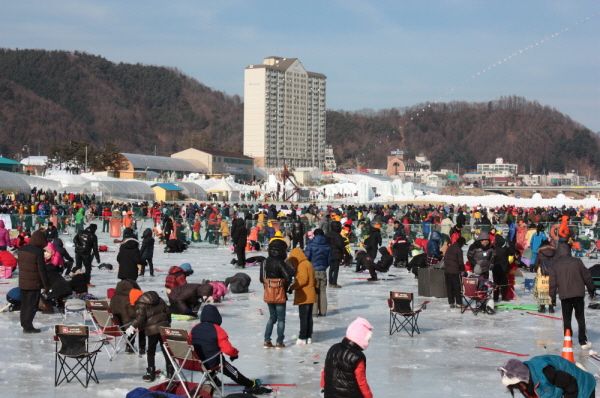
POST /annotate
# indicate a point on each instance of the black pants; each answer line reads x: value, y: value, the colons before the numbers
x: 298, y: 241
x: 86, y: 261
x: 501, y: 280
x: 231, y: 371
x: 29, y: 307
x: 153, y: 341
x: 148, y: 262
x: 105, y: 225
x: 453, y: 289
x: 306, y: 321
x: 334, y: 269
x: 240, y: 251
x: 577, y: 304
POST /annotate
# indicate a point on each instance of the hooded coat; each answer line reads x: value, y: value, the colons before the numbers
x: 480, y: 256
x: 210, y: 339
x: 151, y: 312
x: 317, y: 252
x: 568, y: 276
x: 120, y: 306
x: 304, y: 284
x: 239, y: 232
x: 238, y: 283
x: 128, y: 259
x: 184, y: 299
x: 147, y: 249
x: 454, y: 262
x: 32, y: 270
x: 336, y: 241
x: 545, y: 257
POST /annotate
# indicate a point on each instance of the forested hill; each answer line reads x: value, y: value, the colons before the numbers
x: 51, y: 97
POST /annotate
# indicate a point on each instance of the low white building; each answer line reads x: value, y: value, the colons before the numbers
x: 497, y: 169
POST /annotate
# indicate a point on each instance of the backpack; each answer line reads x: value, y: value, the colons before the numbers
x: 83, y: 242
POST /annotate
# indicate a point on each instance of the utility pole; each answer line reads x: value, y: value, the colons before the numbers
x: 86, y: 159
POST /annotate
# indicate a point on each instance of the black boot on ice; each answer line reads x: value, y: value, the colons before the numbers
x: 150, y: 375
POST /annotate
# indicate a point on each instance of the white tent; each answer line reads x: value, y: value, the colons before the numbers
x: 224, y: 191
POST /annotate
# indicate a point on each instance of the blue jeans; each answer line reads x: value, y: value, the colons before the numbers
x: 276, y: 314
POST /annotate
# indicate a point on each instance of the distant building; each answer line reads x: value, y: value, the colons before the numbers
x: 35, y: 165
x: 399, y: 165
x: 497, y: 169
x: 144, y: 166
x: 167, y: 192
x: 220, y: 162
x: 284, y: 114
x: 7, y: 164
x: 330, y: 164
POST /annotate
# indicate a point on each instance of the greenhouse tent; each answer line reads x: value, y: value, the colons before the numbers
x: 45, y: 184
x: 12, y: 182
x: 192, y: 190
x: 223, y: 190
x: 119, y: 189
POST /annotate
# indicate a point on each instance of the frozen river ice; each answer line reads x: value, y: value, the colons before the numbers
x: 440, y: 362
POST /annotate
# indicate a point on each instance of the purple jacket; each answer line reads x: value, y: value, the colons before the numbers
x: 4, y: 236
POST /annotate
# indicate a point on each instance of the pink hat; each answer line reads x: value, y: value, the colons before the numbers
x: 360, y: 332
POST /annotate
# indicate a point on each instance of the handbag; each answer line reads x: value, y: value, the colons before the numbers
x: 274, y: 290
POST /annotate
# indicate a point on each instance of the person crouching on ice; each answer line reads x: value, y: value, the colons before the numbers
x: 345, y: 373
x: 211, y: 343
x: 547, y: 376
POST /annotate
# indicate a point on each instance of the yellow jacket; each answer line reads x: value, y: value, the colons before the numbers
x: 224, y: 228
x: 304, y: 284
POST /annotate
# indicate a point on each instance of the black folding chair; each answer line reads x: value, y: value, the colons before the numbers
x: 74, y: 355
x: 403, y: 315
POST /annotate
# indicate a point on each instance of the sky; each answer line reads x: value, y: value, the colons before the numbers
x: 376, y: 54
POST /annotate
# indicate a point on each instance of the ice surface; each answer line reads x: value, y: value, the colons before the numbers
x: 440, y: 362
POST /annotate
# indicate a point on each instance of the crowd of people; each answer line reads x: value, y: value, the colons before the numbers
x: 305, y: 248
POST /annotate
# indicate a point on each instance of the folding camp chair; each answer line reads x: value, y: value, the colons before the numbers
x: 75, y: 306
x: 74, y: 346
x: 403, y: 315
x: 182, y: 356
x: 105, y: 324
x: 474, y: 298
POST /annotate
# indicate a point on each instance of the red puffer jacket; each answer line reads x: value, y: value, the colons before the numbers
x: 176, y: 277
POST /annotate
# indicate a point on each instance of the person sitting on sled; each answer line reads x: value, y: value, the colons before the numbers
x: 211, y: 343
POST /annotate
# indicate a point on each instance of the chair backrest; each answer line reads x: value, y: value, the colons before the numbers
x: 402, y: 302
x: 470, y: 287
x: 73, y: 339
x: 176, y: 343
x: 100, y: 313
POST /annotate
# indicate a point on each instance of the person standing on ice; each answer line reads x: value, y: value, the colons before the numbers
x: 547, y: 376
x: 304, y: 293
x: 317, y: 252
x: 569, y: 278
x: 345, y: 372
x: 32, y: 279
x: 276, y: 278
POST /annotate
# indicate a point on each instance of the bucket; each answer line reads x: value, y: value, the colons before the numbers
x: 529, y: 284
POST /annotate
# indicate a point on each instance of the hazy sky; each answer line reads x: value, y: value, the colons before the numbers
x: 375, y: 54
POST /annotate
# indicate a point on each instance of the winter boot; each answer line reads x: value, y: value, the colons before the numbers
x: 542, y: 309
x: 257, y: 388
x: 551, y: 309
x: 170, y: 371
x: 150, y: 375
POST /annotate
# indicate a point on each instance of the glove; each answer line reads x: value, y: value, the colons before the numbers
x: 130, y: 331
x: 233, y: 358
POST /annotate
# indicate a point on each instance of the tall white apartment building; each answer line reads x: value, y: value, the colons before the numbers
x: 284, y: 114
